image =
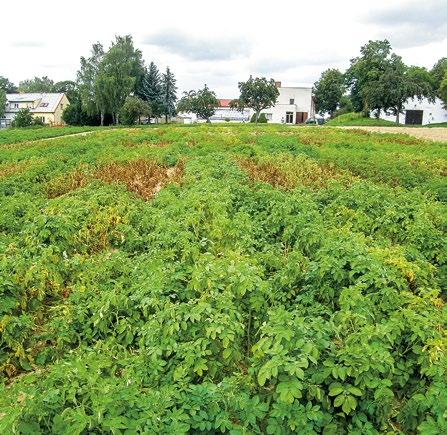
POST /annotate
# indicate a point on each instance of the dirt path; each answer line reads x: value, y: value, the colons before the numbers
x: 84, y: 133
x: 436, y: 133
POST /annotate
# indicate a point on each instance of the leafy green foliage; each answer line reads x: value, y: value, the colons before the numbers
x: 24, y: 118
x: 133, y: 109
x: 202, y: 102
x: 256, y: 93
x: 328, y: 91
x: 288, y: 281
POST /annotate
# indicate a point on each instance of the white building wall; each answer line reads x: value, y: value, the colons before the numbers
x: 433, y: 113
x: 302, y: 102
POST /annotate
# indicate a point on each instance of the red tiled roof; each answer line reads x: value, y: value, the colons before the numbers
x: 224, y: 102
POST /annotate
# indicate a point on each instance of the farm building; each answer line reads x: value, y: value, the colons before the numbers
x: 421, y: 112
x: 47, y: 107
x: 294, y: 105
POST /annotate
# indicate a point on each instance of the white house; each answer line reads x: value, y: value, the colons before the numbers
x: 295, y: 105
x: 420, y: 112
x: 47, y: 107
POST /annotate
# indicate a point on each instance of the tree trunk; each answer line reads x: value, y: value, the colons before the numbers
x: 102, y: 118
x: 113, y: 118
x: 117, y: 118
x: 257, y: 116
x: 397, y: 116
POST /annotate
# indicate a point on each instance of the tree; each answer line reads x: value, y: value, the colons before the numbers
x: 3, y: 102
x: 202, y: 102
x: 328, y: 91
x: 438, y: 73
x: 37, y: 84
x: 74, y: 114
x: 150, y: 90
x: 443, y: 90
x: 257, y: 94
x: 134, y: 108
x: 168, y: 94
x: 119, y: 71
x: 68, y: 87
x: 23, y: 118
x: 364, y: 74
x: 399, y: 83
x: 91, y: 101
x: 7, y: 86
x: 345, y: 106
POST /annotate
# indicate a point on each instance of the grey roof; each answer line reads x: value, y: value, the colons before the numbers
x: 45, y: 102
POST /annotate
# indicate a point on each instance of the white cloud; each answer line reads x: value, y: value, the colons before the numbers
x: 217, y: 44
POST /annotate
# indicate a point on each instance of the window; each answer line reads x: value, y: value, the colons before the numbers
x: 292, y: 101
x: 62, y: 106
x: 289, y: 117
x: 42, y: 118
x: 268, y: 116
x: 43, y: 104
x: 15, y: 105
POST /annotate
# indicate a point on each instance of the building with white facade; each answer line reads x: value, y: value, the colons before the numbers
x: 295, y: 105
x: 47, y: 107
x: 418, y: 112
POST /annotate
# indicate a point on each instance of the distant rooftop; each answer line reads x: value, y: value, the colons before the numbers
x: 47, y: 102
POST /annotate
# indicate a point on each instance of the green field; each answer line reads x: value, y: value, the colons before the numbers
x: 238, y: 279
x: 17, y: 135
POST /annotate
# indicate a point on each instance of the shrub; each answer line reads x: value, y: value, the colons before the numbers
x: 23, y: 118
x: 133, y: 108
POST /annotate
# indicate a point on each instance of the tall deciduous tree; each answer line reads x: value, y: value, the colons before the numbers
x: 202, y: 102
x: 365, y: 72
x: 68, y: 87
x: 169, y: 94
x: 87, y: 76
x: 37, y: 84
x: 399, y: 83
x: 7, y: 86
x: 119, y: 71
x: 438, y: 73
x: 151, y: 91
x: 328, y: 91
x: 257, y: 94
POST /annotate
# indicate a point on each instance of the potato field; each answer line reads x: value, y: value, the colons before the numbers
x: 235, y: 279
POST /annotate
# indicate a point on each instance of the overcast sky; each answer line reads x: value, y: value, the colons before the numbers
x: 218, y: 43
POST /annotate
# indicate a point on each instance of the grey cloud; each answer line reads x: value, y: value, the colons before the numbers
x: 27, y: 44
x: 413, y: 24
x: 194, y: 48
x: 272, y: 65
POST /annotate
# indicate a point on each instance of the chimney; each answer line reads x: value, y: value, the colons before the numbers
x: 278, y: 84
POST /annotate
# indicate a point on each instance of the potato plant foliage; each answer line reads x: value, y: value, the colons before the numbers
x: 223, y: 279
